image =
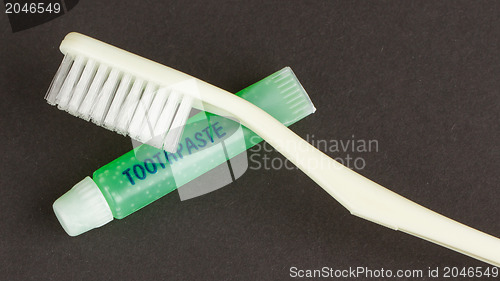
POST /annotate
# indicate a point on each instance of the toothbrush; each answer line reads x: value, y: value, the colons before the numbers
x: 89, y: 84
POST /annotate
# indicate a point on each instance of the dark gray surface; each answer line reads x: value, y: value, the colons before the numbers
x: 420, y: 78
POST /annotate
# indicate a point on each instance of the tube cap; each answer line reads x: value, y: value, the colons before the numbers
x: 82, y: 208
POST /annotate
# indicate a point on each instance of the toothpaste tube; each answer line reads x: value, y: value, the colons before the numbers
x: 146, y: 173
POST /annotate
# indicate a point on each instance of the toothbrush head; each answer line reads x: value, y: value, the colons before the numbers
x: 123, y: 92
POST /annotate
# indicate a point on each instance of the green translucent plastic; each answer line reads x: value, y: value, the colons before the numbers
x: 146, y: 173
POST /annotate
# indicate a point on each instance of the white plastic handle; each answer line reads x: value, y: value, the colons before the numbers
x: 361, y: 196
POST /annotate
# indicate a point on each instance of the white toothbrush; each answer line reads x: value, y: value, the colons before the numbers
x: 135, y: 96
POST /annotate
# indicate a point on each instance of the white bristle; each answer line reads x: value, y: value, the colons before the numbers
x: 105, y: 97
x: 68, y: 86
x: 175, y: 132
x: 167, y: 114
x: 82, y: 87
x: 88, y: 102
x: 141, y: 111
x: 120, y: 101
x: 154, y: 111
x: 114, y: 109
x: 129, y: 106
x: 55, y: 86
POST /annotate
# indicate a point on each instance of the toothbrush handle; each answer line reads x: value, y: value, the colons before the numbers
x: 369, y: 200
x: 361, y: 196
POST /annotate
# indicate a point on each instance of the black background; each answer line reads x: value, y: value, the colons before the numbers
x: 421, y: 78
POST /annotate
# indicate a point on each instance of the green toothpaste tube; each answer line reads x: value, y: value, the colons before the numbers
x: 146, y: 173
